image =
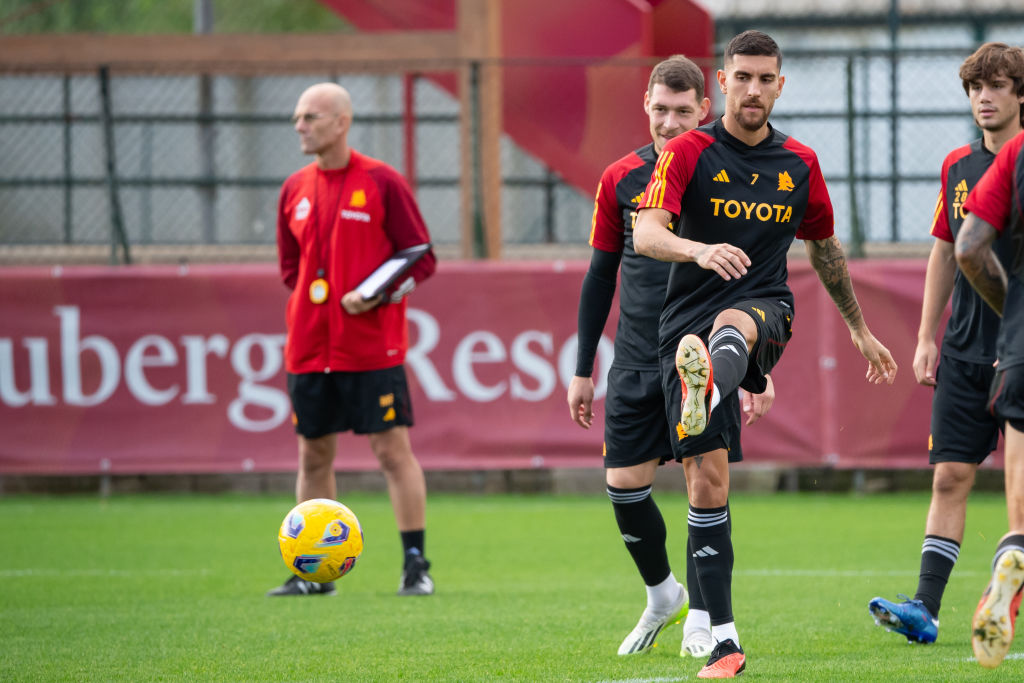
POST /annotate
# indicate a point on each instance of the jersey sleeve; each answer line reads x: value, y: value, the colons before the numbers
x: 819, y: 220
x: 940, y: 221
x: 673, y: 171
x: 403, y: 221
x: 606, y: 230
x: 288, y: 249
x: 991, y: 198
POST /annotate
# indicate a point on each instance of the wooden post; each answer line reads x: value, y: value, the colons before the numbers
x: 478, y: 28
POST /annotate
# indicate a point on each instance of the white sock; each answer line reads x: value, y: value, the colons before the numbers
x: 716, y: 397
x: 697, y: 620
x: 725, y: 632
x: 661, y: 596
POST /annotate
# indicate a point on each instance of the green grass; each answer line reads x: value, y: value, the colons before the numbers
x: 529, y: 588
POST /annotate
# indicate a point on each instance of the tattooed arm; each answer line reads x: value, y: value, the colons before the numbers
x: 978, y: 262
x: 829, y: 263
x: 652, y: 237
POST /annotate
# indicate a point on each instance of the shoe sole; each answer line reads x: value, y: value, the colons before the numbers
x: 645, y: 644
x: 890, y: 621
x: 992, y: 626
x: 693, y: 363
x: 719, y: 670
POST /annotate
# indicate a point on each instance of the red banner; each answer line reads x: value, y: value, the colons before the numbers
x: 168, y: 369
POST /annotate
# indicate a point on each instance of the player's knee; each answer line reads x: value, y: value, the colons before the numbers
x: 953, y: 479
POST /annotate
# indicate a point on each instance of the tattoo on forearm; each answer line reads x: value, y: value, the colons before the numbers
x: 829, y: 262
x: 983, y: 271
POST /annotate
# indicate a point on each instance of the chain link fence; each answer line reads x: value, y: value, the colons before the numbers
x: 199, y: 159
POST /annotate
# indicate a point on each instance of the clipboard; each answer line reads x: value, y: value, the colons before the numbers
x: 388, y: 272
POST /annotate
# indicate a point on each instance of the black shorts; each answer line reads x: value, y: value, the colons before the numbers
x: 1006, y: 399
x: 723, y: 430
x: 364, y: 402
x: 962, y: 430
x: 774, y: 321
x: 635, y: 426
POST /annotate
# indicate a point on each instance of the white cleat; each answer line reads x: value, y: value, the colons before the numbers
x: 642, y: 638
x: 992, y: 626
x: 697, y: 643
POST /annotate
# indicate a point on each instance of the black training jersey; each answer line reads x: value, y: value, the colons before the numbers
x: 643, y: 279
x: 756, y: 198
x: 997, y: 200
x: 973, y: 326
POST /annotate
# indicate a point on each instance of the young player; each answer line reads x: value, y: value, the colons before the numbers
x: 963, y: 431
x: 636, y: 430
x: 741, y: 191
x: 995, y: 208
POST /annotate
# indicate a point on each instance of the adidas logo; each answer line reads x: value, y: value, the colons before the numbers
x: 962, y: 186
x: 722, y: 177
x: 706, y: 551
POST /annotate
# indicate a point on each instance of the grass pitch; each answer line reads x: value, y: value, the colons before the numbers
x: 533, y: 588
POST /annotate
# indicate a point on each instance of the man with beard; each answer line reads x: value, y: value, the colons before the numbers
x: 741, y: 191
x: 963, y: 431
x: 636, y: 431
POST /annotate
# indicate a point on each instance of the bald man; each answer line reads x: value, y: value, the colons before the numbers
x: 338, y: 219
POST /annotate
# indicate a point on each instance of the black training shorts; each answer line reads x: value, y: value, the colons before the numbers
x: 723, y: 430
x: 364, y: 402
x: 635, y: 426
x: 774, y: 320
x: 1006, y: 400
x: 963, y: 429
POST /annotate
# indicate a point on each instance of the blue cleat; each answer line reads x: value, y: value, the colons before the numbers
x: 909, y: 618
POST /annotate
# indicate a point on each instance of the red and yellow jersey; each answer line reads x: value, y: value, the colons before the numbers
x: 723, y: 191
x: 339, y: 225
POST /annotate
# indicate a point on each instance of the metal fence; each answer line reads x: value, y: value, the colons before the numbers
x: 196, y: 159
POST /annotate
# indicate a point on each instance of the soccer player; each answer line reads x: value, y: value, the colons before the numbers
x: 995, y: 209
x: 963, y: 431
x: 636, y: 430
x: 338, y: 219
x: 740, y: 191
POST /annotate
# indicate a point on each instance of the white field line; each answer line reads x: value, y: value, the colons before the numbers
x: 768, y: 573
x: 48, y: 573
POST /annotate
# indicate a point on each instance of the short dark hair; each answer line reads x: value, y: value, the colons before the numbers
x: 990, y: 60
x: 753, y: 43
x: 679, y: 74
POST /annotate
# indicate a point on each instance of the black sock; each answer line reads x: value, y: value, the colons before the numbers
x: 692, y: 584
x: 413, y: 542
x: 643, y: 530
x: 1015, y: 542
x: 711, y: 549
x: 728, y: 349
x: 938, y: 555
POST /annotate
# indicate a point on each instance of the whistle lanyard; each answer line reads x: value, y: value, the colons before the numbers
x: 319, y: 288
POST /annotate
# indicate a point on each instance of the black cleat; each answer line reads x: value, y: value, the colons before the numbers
x: 415, y: 578
x: 296, y: 586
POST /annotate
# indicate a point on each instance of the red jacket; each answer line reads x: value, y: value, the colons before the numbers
x: 346, y: 222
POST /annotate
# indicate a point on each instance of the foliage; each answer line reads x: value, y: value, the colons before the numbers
x: 165, y: 16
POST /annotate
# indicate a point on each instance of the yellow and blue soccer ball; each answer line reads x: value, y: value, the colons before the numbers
x: 320, y: 540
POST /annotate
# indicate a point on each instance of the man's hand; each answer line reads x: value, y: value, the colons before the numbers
x: 728, y: 261
x: 881, y: 366
x: 581, y: 401
x: 354, y: 304
x: 925, y: 357
x: 755, y: 406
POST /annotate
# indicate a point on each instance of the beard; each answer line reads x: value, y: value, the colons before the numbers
x: 752, y: 122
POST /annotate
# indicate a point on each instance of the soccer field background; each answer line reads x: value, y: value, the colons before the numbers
x: 171, y: 587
